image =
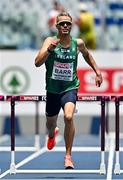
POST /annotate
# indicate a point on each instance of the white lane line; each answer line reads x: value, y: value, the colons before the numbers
x: 26, y: 160
x: 111, y: 158
x: 29, y: 158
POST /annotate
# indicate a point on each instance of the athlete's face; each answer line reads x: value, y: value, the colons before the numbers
x: 64, y: 24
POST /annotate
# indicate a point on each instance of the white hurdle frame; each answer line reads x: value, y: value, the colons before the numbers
x: 101, y: 170
x: 36, y: 146
x: 117, y: 169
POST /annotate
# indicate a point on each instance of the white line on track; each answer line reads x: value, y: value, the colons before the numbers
x: 29, y: 158
x: 111, y: 157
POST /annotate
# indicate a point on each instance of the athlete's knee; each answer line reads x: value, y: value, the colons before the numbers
x: 68, y: 117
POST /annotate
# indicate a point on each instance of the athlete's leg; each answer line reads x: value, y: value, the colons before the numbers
x: 52, y: 109
x: 69, y: 130
x: 68, y: 102
x: 68, y: 105
x: 51, y: 125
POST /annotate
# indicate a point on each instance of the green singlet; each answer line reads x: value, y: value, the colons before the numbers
x: 61, y: 69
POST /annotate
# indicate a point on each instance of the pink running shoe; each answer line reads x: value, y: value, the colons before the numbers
x: 68, y: 163
x: 52, y: 141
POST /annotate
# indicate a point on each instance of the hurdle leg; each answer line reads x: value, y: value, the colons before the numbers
x: 107, y: 138
x: 117, y: 131
x: 1, y: 99
x: 12, y: 165
x: 107, y: 117
x: 102, y: 164
x: 37, y: 136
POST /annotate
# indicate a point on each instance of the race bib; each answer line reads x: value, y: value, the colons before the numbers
x: 62, y: 71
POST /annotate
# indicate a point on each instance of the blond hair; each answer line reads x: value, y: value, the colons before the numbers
x: 63, y: 14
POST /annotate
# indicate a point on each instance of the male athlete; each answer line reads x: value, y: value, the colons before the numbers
x: 60, y: 55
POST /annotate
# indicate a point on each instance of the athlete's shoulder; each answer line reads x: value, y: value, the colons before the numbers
x: 80, y: 42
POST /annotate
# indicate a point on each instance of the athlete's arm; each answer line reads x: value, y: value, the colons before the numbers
x: 90, y: 60
x: 48, y: 46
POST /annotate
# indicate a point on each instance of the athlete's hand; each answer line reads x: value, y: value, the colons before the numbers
x: 53, y: 44
x: 98, y: 80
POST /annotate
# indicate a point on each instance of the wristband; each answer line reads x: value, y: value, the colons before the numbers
x: 49, y: 50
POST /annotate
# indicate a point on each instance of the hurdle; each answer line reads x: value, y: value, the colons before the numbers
x: 14, y: 169
x: 117, y: 169
x: 36, y: 146
x: 1, y: 99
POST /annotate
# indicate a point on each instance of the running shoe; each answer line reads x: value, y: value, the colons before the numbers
x: 52, y: 141
x: 68, y: 163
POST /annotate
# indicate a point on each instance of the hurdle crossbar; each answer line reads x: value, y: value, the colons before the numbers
x: 36, y: 98
x: 2, y: 98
